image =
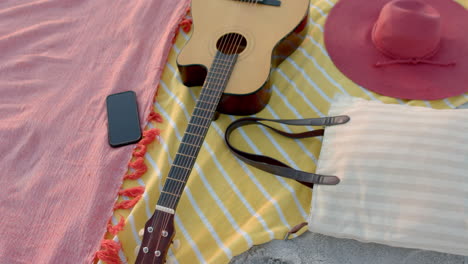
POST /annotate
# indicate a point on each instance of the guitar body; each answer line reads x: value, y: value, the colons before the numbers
x: 271, y: 34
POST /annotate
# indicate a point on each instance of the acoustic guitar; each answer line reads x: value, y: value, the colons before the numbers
x: 233, y: 47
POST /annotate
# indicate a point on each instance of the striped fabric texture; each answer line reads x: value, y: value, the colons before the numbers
x: 403, y: 172
x: 228, y: 206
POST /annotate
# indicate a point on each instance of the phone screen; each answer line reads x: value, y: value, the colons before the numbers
x: 122, y: 117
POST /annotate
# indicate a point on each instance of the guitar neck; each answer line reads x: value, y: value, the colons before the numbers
x: 202, y: 116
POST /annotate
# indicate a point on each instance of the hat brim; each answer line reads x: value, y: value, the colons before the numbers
x: 348, y: 42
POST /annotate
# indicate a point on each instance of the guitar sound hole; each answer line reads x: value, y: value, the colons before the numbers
x: 231, y: 43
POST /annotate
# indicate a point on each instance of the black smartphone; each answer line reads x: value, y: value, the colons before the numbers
x: 123, y: 122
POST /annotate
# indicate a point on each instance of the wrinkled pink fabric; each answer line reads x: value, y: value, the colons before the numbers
x: 59, y: 59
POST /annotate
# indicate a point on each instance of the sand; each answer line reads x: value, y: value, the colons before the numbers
x: 319, y: 249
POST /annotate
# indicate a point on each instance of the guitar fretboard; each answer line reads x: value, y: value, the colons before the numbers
x: 202, y: 116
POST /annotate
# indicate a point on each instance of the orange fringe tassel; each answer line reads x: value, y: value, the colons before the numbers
x: 117, y: 228
x: 109, y: 252
x: 139, y: 151
x: 156, y: 117
x: 149, y: 136
x: 127, y: 204
x: 132, y: 192
x: 140, y: 168
x: 186, y: 24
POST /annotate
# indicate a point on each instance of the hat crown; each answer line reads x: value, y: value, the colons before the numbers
x: 407, y: 29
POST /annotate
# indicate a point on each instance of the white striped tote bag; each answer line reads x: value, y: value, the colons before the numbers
x: 404, y: 177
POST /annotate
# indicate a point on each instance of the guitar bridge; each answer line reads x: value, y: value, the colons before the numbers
x: 263, y: 2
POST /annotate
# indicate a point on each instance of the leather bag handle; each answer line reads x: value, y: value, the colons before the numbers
x: 277, y: 167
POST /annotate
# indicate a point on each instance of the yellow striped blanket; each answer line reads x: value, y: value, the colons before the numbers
x: 228, y: 206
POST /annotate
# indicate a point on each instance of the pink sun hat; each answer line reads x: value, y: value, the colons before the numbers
x: 408, y: 49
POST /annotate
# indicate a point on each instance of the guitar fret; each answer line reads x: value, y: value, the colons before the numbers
x: 174, y: 188
x: 187, y: 152
x: 194, y: 134
x: 191, y: 139
x: 206, y: 115
x: 212, y: 103
x: 182, y: 160
x: 219, y: 69
x: 174, y: 179
x: 166, y: 202
x: 211, y: 89
x: 214, y: 83
x: 203, y: 109
x: 218, y: 75
x: 173, y: 194
x: 192, y: 124
x: 201, y: 123
x: 182, y: 167
x: 178, y: 153
x: 208, y: 108
x: 195, y: 129
x: 197, y: 146
x: 201, y: 120
x: 202, y: 117
x: 212, y: 96
x: 217, y: 78
x: 222, y: 63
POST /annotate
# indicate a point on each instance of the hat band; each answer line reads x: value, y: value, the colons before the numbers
x: 413, y: 61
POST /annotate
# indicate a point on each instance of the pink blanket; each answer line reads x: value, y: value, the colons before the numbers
x: 59, y: 59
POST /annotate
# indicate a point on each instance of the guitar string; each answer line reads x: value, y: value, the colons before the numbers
x: 166, y: 217
x: 206, y: 114
x: 205, y: 93
x: 198, y: 140
x: 224, y: 41
x: 187, y: 161
x: 184, y: 178
x: 237, y: 42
